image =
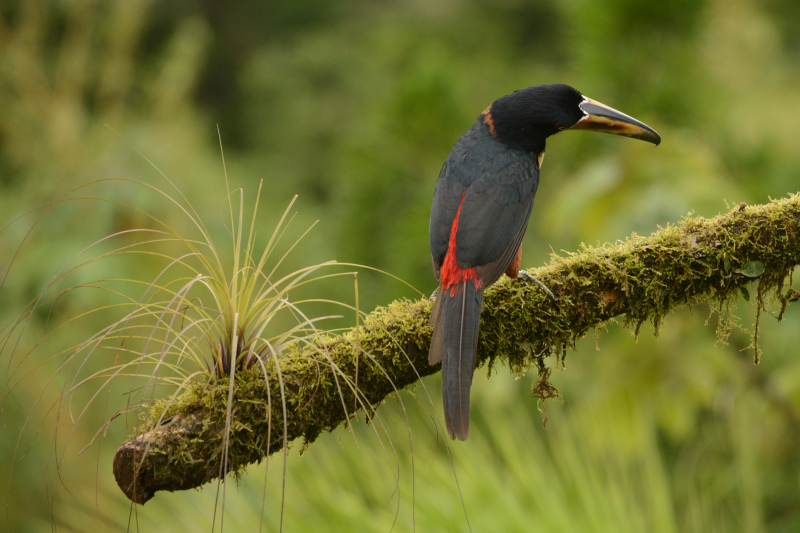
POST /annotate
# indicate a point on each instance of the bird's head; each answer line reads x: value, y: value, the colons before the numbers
x: 525, y: 118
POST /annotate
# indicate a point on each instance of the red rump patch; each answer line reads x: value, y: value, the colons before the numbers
x: 453, y: 276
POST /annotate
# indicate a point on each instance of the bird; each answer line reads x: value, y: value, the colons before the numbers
x: 481, y: 207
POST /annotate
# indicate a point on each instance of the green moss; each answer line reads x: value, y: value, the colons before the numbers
x: 643, y: 279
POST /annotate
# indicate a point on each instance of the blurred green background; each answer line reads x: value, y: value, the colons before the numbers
x: 354, y: 105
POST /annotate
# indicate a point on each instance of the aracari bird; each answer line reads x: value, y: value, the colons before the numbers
x: 481, y: 208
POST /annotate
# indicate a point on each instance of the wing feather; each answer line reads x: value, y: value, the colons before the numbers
x: 498, y: 184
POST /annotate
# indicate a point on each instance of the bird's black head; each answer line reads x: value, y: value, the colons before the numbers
x: 525, y: 118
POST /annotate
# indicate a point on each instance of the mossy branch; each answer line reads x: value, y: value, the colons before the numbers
x: 640, y: 279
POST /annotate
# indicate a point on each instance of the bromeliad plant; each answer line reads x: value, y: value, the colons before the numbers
x: 245, y: 301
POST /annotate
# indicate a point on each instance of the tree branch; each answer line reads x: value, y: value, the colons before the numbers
x: 311, y: 388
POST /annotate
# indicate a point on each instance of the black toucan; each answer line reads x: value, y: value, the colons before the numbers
x: 481, y: 208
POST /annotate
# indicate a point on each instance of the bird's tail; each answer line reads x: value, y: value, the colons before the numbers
x: 456, y: 320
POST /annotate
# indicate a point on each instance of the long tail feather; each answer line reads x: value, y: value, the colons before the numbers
x: 455, y: 340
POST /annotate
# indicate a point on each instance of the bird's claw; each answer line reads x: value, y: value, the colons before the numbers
x: 526, y: 276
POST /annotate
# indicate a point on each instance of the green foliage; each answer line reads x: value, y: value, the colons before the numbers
x: 353, y: 106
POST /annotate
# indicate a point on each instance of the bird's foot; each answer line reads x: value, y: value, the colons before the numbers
x: 526, y: 276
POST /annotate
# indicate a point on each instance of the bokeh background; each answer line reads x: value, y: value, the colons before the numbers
x: 353, y: 105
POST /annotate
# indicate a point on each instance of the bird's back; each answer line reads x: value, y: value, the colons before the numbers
x: 494, y: 184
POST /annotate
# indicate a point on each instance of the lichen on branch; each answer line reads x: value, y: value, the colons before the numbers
x: 311, y: 388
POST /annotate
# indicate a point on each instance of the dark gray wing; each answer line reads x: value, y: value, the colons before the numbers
x: 498, y: 184
x: 495, y: 214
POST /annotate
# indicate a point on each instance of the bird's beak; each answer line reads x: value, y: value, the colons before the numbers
x: 600, y: 117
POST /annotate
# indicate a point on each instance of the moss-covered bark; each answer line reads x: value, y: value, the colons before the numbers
x: 640, y: 279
